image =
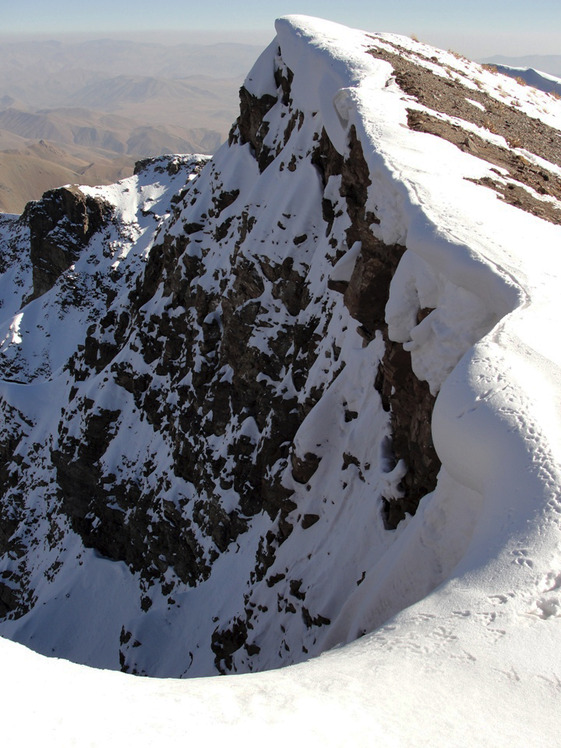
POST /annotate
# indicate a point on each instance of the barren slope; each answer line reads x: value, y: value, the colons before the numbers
x: 27, y: 171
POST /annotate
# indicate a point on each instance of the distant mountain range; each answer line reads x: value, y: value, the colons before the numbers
x: 101, y: 100
x: 546, y: 63
x: 53, y: 70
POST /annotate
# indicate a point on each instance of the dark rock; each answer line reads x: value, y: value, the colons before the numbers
x: 60, y: 225
x: 308, y: 520
x: 410, y: 403
x: 251, y: 127
x: 317, y: 620
x: 224, y: 200
x: 304, y: 467
x: 366, y: 294
x: 8, y: 600
x: 227, y: 641
x: 295, y: 591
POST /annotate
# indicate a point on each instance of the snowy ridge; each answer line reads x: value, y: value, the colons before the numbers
x: 536, y: 78
x: 462, y: 599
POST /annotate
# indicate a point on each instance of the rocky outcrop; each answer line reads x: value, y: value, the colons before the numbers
x: 410, y: 404
x: 204, y: 433
x: 60, y: 225
x: 404, y: 396
x: 251, y: 127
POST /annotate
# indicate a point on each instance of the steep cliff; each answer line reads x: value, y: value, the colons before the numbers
x: 219, y: 375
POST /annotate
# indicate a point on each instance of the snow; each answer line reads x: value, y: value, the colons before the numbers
x: 463, y: 602
x: 343, y: 270
x: 536, y: 78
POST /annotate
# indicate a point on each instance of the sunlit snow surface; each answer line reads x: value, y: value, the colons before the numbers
x: 535, y: 78
x: 477, y: 661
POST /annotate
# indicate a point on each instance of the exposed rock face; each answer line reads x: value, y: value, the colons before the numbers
x: 410, y: 404
x: 251, y: 127
x: 60, y: 225
x: 209, y: 436
x: 408, y: 399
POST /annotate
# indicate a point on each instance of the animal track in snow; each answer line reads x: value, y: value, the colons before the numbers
x: 547, y: 607
x: 511, y: 674
x: 462, y: 613
x: 552, y: 582
x: 523, y: 559
x: 501, y: 599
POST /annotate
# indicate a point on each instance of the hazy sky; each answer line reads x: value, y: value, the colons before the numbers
x: 473, y: 27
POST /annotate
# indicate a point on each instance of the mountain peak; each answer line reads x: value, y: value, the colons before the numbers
x: 278, y: 399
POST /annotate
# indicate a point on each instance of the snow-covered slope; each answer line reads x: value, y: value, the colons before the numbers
x: 535, y: 78
x: 219, y: 385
